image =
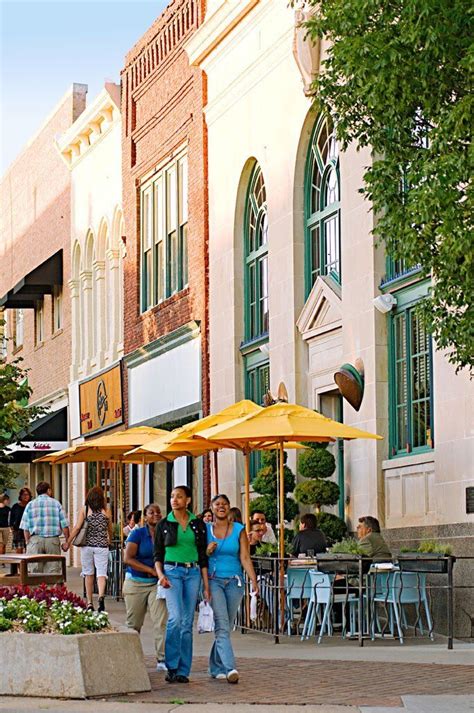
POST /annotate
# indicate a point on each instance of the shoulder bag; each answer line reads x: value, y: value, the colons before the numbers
x: 80, y: 538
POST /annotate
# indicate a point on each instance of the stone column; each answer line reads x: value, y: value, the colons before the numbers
x: 76, y: 328
x: 86, y: 336
x: 114, y: 312
x: 100, y: 311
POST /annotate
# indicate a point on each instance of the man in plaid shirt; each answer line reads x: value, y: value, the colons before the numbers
x: 42, y: 522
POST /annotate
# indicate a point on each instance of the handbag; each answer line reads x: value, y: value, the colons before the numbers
x: 80, y: 538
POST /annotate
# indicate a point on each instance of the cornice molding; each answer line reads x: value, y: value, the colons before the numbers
x: 90, y: 127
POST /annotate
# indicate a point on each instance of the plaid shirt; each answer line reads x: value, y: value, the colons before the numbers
x: 44, y: 516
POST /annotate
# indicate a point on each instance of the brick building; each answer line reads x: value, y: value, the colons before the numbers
x: 35, y: 200
x: 165, y: 214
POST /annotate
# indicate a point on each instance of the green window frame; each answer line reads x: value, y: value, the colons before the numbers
x: 257, y: 383
x: 322, y: 205
x: 164, y: 233
x: 410, y: 377
x: 256, y: 312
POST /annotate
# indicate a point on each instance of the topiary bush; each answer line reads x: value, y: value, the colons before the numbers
x: 317, y: 464
x: 266, y: 484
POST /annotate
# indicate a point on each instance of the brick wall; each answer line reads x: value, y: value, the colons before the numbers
x: 162, y: 101
x: 35, y: 209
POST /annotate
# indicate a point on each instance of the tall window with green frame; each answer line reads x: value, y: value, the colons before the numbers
x: 257, y: 383
x: 256, y: 258
x: 322, y: 205
x: 164, y: 233
x: 411, y: 408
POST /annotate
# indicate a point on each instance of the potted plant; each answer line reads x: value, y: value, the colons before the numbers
x: 343, y: 557
x: 42, y: 626
x: 430, y: 556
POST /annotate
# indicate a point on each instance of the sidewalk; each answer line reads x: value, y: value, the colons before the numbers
x: 380, y: 677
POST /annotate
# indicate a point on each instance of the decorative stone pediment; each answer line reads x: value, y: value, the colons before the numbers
x: 322, y: 311
x: 307, y: 53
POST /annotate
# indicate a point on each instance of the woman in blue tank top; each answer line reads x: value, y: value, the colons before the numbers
x: 229, y: 555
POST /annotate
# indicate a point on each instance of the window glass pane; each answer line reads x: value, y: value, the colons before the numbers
x: 420, y: 382
x: 57, y: 309
x: 171, y: 197
x: 147, y: 219
x: 401, y: 438
x: 183, y: 190
x: 315, y: 253
x: 323, y: 142
x: 184, y: 255
x: 252, y: 300
x: 159, y: 210
x: 331, y: 193
x: 264, y: 315
x: 331, y: 240
x: 315, y: 184
x: 172, y: 266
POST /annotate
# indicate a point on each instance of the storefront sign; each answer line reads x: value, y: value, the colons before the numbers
x: 45, y: 446
x: 100, y: 401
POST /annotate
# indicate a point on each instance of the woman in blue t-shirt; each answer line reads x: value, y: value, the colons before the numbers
x: 139, y: 589
x: 228, y: 551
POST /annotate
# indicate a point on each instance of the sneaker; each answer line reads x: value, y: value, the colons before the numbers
x: 220, y: 677
x: 161, y: 666
x: 101, y: 606
x: 233, y: 676
x: 171, y: 677
x: 181, y: 679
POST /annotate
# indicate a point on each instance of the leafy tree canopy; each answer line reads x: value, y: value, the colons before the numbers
x: 15, y: 414
x: 398, y: 77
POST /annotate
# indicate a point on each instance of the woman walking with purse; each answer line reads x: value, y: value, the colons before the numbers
x: 229, y: 555
x: 181, y: 562
x: 95, y: 519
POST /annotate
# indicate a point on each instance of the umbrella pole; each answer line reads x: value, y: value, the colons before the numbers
x: 216, y: 473
x: 143, y: 490
x: 282, y: 500
x: 247, y: 490
x: 281, y: 458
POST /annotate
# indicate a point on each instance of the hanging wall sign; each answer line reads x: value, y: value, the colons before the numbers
x: 100, y: 401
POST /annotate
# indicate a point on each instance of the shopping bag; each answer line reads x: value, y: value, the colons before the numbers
x: 253, y: 606
x: 205, y: 622
x: 160, y: 592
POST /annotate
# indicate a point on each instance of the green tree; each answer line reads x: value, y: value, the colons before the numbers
x: 15, y: 415
x: 266, y: 483
x: 316, y: 464
x: 397, y: 77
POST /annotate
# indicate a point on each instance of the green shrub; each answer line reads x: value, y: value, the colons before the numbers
x: 347, y: 546
x: 269, y: 506
x: 316, y: 463
x: 5, y: 624
x: 429, y: 547
x: 333, y: 526
x: 317, y: 492
x: 266, y: 481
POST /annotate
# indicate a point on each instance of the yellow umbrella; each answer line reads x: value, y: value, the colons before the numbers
x: 278, y: 424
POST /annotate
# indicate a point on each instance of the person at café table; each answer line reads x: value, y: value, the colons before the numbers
x: 371, y: 541
x: 255, y: 536
x: 310, y: 537
x: 268, y: 536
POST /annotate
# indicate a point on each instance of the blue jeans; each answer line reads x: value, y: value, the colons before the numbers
x: 181, y: 600
x: 226, y: 596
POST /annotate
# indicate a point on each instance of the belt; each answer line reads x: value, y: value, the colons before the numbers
x: 188, y: 565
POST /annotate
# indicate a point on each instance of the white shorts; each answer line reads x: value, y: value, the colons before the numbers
x: 97, y: 557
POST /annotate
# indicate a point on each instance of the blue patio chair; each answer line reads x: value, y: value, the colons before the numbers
x: 322, y: 595
x: 298, y: 589
x: 397, y: 589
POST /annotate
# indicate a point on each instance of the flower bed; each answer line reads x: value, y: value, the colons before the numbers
x: 43, y: 609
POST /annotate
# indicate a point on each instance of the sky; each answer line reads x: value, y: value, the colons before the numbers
x: 46, y: 46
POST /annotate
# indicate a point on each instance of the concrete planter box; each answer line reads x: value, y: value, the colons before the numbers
x: 424, y: 562
x: 76, y: 666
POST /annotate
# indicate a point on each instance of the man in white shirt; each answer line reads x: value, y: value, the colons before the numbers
x: 268, y: 535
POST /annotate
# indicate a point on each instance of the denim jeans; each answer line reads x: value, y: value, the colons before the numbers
x: 181, y: 600
x: 226, y: 596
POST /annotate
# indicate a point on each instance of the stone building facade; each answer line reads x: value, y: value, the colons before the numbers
x: 165, y: 214
x: 35, y: 257
x: 91, y: 150
x: 294, y: 272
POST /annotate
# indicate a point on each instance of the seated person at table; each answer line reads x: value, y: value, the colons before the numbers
x: 255, y: 536
x: 310, y: 537
x: 371, y: 541
x: 268, y: 534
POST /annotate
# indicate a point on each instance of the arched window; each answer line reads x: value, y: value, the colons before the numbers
x: 256, y: 258
x: 322, y: 205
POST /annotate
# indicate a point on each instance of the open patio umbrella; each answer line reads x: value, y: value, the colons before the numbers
x: 180, y: 442
x: 279, y: 424
x: 110, y: 447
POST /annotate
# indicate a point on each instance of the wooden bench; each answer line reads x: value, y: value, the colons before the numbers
x: 19, y: 570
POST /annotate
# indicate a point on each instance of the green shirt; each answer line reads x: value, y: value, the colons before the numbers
x: 185, y: 550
